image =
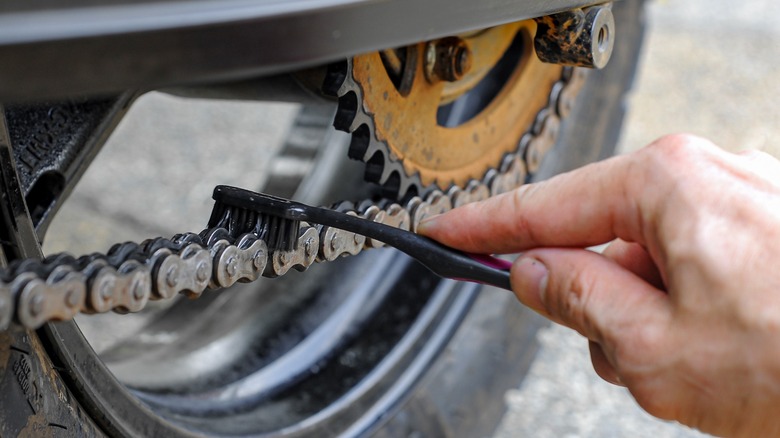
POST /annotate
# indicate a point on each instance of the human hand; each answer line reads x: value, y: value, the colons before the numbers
x: 683, y: 307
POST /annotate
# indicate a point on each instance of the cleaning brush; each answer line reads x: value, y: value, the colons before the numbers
x: 277, y: 222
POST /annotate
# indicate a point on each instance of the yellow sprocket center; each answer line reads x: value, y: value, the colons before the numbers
x: 441, y: 155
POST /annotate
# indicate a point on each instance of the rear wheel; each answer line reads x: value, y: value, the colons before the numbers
x: 368, y: 344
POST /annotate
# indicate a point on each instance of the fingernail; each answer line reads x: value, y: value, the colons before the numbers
x: 428, y: 224
x: 529, y: 280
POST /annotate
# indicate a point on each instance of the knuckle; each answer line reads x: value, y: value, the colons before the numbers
x: 679, y: 144
x: 676, y: 151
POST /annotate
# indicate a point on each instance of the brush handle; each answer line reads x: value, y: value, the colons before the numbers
x: 442, y: 260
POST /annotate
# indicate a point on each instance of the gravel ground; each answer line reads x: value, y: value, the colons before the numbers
x: 707, y: 68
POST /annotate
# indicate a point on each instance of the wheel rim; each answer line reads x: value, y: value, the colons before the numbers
x: 337, y: 360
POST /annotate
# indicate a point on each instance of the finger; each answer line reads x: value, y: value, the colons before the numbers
x: 635, y: 258
x: 601, y: 365
x: 591, y: 294
x: 586, y: 207
x: 624, y: 197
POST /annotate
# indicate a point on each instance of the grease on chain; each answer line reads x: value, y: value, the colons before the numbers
x: 33, y: 292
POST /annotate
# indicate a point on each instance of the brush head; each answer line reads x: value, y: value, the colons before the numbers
x: 272, y: 219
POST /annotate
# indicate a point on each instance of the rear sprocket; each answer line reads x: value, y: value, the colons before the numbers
x: 442, y: 113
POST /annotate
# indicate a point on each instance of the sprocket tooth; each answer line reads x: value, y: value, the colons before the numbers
x: 375, y: 167
x: 359, y: 144
x: 393, y: 179
x: 346, y: 112
x: 391, y: 183
x: 374, y: 147
x: 415, y: 183
x: 412, y: 186
x: 388, y: 170
x: 335, y: 76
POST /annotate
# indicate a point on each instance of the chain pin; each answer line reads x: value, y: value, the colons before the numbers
x: 36, y: 305
x: 172, y: 276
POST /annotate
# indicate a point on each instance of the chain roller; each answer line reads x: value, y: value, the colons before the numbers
x: 243, y: 262
x: 512, y: 176
x: 397, y: 216
x: 300, y: 258
x: 335, y: 243
x: 60, y: 297
x: 372, y: 212
x: 546, y: 133
x: 473, y: 192
x: 126, y: 289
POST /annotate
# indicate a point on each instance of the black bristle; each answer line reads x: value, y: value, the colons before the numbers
x: 241, y: 212
x: 217, y: 214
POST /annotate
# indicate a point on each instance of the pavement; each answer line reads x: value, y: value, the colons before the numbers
x: 708, y: 67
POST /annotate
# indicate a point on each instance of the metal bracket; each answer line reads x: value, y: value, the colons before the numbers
x: 577, y: 37
x: 17, y: 233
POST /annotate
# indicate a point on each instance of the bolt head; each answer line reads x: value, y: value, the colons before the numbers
x: 463, y: 61
x: 448, y: 59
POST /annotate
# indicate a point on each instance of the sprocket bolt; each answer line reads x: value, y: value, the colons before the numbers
x: 448, y: 59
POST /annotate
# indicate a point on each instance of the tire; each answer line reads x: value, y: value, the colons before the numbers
x: 423, y: 358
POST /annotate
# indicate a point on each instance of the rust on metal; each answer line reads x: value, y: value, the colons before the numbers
x: 454, y: 155
x: 448, y: 59
x: 579, y: 37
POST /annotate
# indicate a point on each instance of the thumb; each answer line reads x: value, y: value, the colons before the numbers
x: 590, y: 293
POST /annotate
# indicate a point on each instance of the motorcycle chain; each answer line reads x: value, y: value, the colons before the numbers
x: 34, y: 292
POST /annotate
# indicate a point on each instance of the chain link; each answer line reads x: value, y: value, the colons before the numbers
x: 34, y: 292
